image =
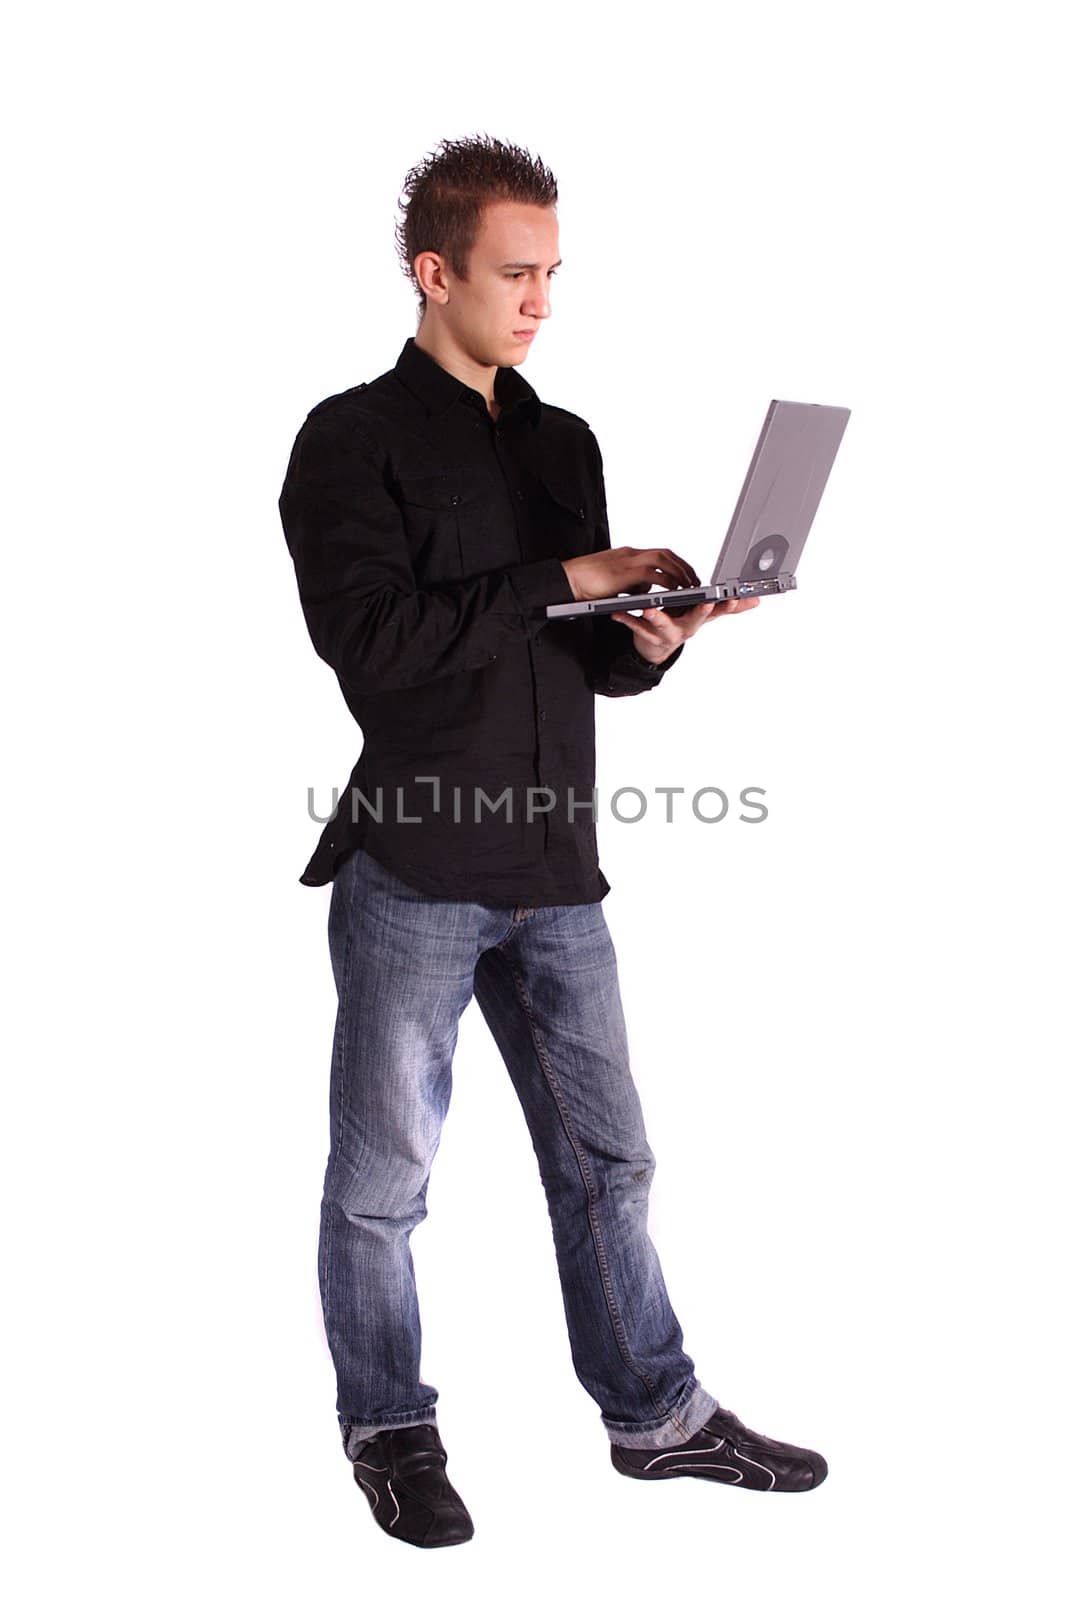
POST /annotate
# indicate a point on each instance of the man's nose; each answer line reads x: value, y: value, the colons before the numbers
x: 536, y: 304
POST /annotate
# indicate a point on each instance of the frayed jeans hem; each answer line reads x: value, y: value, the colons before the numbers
x: 688, y: 1416
x: 354, y: 1433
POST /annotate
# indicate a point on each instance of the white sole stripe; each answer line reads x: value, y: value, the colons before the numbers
x: 673, y: 1455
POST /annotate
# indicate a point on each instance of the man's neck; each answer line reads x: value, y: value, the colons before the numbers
x: 472, y: 373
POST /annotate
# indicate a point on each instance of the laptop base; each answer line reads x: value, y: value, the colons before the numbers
x: 677, y: 599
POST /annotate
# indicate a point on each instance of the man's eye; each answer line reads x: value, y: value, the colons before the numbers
x: 551, y: 273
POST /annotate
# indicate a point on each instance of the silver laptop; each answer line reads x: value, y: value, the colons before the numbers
x: 774, y: 513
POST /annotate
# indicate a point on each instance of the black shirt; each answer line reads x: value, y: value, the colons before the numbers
x: 427, y: 539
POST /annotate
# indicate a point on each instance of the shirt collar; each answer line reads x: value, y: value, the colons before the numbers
x: 438, y: 388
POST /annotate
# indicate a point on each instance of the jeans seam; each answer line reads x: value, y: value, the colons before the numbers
x: 342, y: 1039
x: 515, y: 924
x: 594, y: 1226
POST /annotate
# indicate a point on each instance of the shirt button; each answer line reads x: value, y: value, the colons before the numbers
x: 454, y: 499
x: 581, y: 512
x: 542, y: 715
x: 519, y: 495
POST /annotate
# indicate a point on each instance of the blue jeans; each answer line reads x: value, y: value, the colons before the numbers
x: 406, y: 966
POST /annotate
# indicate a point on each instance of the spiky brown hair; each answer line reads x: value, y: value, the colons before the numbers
x: 442, y: 200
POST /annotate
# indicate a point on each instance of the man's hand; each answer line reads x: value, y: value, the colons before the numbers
x: 657, y: 633
x: 625, y: 570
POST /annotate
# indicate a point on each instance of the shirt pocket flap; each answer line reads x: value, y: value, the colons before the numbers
x: 442, y: 490
x: 566, y: 493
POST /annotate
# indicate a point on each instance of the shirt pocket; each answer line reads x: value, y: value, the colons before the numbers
x: 449, y: 516
x: 568, y: 513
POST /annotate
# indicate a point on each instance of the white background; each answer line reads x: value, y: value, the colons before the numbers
x: 843, y: 1022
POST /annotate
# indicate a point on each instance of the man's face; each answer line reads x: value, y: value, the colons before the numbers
x: 510, y: 274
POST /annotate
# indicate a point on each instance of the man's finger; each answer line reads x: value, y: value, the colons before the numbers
x: 655, y: 562
x: 688, y: 572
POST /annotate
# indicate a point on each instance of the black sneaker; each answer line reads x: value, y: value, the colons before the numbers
x: 402, y: 1473
x: 727, y: 1451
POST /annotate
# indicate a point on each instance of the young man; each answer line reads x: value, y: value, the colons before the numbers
x: 431, y: 515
